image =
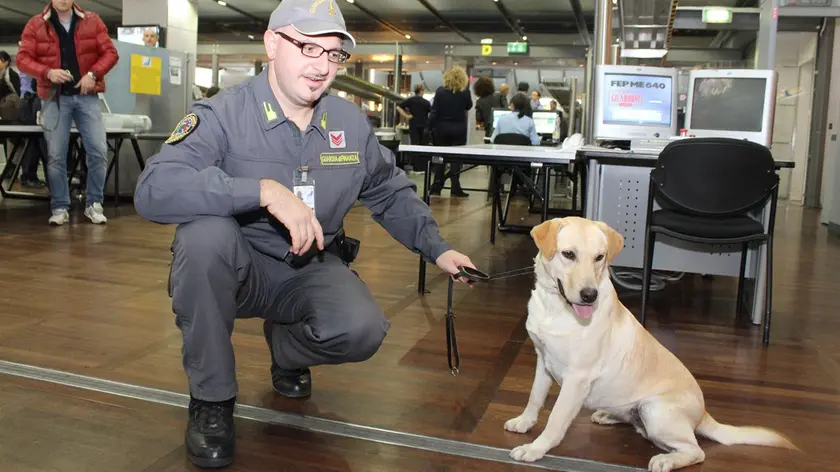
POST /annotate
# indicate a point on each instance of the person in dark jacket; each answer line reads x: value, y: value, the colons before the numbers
x: 488, y: 99
x: 9, y: 79
x: 448, y: 122
x: 416, y: 109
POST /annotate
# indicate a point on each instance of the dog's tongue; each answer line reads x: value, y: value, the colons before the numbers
x: 584, y: 311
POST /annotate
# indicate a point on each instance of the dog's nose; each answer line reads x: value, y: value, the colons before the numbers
x: 588, y: 295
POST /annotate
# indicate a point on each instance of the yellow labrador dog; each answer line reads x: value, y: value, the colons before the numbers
x: 605, y: 360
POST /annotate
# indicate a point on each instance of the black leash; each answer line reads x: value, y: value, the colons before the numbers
x: 474, y: 276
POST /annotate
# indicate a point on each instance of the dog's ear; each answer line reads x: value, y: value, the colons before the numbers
x: 545, y: 235
x: 615, y: 241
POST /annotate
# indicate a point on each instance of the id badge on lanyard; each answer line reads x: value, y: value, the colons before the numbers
x: 304, y: 187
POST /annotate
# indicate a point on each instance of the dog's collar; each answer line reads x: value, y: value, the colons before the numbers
x: 563, y: 293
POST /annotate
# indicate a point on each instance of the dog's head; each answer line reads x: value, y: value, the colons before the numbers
x: 577, y: 253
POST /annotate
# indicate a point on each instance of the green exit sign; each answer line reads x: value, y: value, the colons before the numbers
x: 517, y: 48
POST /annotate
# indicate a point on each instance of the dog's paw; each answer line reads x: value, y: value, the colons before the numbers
x: 604, y: 418
x: 528, y: 453
x: 661, y: 463
x: 520, y: 424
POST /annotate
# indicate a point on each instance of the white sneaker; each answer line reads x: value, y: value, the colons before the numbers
x: 59, y: 217
x: 94, y: 214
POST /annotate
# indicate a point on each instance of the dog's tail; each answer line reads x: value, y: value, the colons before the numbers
x: 752, y: 435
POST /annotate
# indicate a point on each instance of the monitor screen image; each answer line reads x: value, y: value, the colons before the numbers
x: 728, y: 104
x: 148, y: 35
x: 545, y: 121
x: 631, y: 99
x: 497, y: 112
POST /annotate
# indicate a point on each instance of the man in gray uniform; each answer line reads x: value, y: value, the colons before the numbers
x: 259, y: 179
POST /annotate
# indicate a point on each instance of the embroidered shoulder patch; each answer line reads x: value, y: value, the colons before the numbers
x: 187, y: 125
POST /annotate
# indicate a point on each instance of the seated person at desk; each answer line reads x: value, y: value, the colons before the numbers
x: 517, y: 121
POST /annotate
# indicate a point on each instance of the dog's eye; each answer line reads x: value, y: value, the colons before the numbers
x: 599, y: 258
x: 569, y: 255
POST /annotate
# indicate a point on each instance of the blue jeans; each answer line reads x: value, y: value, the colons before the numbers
x: 57, y: 118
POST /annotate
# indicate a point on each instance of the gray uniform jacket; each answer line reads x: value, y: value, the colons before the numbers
x: 241, y: 136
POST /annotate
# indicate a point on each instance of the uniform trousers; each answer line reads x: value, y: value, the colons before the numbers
x: 322, y: 312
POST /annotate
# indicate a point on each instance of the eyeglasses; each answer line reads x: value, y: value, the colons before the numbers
x: 338, y: 56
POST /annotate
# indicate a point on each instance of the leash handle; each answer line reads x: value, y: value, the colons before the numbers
x: 451, y: 340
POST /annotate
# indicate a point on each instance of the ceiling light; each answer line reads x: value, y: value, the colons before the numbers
x: 351, y: 1
x: 408, y: 36
x: 524, y: 38
x: 222, y: 3
x: 250, y: 36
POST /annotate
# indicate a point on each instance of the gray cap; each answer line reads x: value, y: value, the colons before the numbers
x: 310, y: 18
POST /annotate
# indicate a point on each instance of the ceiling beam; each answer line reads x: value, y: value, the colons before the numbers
x: 18, y: 12
x: 688, y: 55
x: 443, y: 20
x: 580, y: 21
x: 381, y: 21
x: 509, y: 19
x: 107, y: 5
x: 244, y: 13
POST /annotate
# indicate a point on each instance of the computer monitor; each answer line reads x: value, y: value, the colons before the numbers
x: 545, y: 121
x: 635, y: 102
x: 732, y: 103
x: 497, y: 112
x: 141, y: 35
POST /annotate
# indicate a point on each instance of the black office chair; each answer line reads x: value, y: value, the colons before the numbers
x: 706, y: 187
x: 512, y: 138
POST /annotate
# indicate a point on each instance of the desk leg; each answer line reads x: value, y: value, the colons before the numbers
x: 427, y: 182
x: 138, y: 154
x: 117, y: 145
x: 11, y: 169
x: 495, y: 189
x: 546, y: 189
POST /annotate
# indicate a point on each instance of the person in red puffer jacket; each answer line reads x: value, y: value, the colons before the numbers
x: 69, y: 52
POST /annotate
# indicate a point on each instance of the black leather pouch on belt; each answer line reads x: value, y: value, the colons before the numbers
x: 345, y: 248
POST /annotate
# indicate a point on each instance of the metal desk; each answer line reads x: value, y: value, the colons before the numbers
x: 493, y: 155
x: 21, y: 135
x: 617, y: 194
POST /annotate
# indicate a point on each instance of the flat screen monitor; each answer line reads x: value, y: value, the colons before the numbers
x: 732, y: 103
x: 141, y: 35
x: 635, y: 102
x: 545, y: 121
x: 497, y: 112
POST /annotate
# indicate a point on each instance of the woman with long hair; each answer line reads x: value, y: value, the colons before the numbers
x: 448, y: 122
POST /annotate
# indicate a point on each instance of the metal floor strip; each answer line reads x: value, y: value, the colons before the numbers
x: 308, y: 423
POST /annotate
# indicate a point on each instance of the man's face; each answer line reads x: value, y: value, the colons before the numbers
x: 62, y: 6
x: 150, y: 38
x: 301, y: 79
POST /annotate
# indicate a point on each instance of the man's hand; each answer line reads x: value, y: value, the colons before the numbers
x: 293, y: 213
x: 86, y: 84
x: 59, y: 76
x: 449, y: 262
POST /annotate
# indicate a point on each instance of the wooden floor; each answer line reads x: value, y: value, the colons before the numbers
x: 92, y: 300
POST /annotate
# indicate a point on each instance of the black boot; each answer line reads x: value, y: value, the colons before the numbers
x: 296, y: 383
x: 210, y: 438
